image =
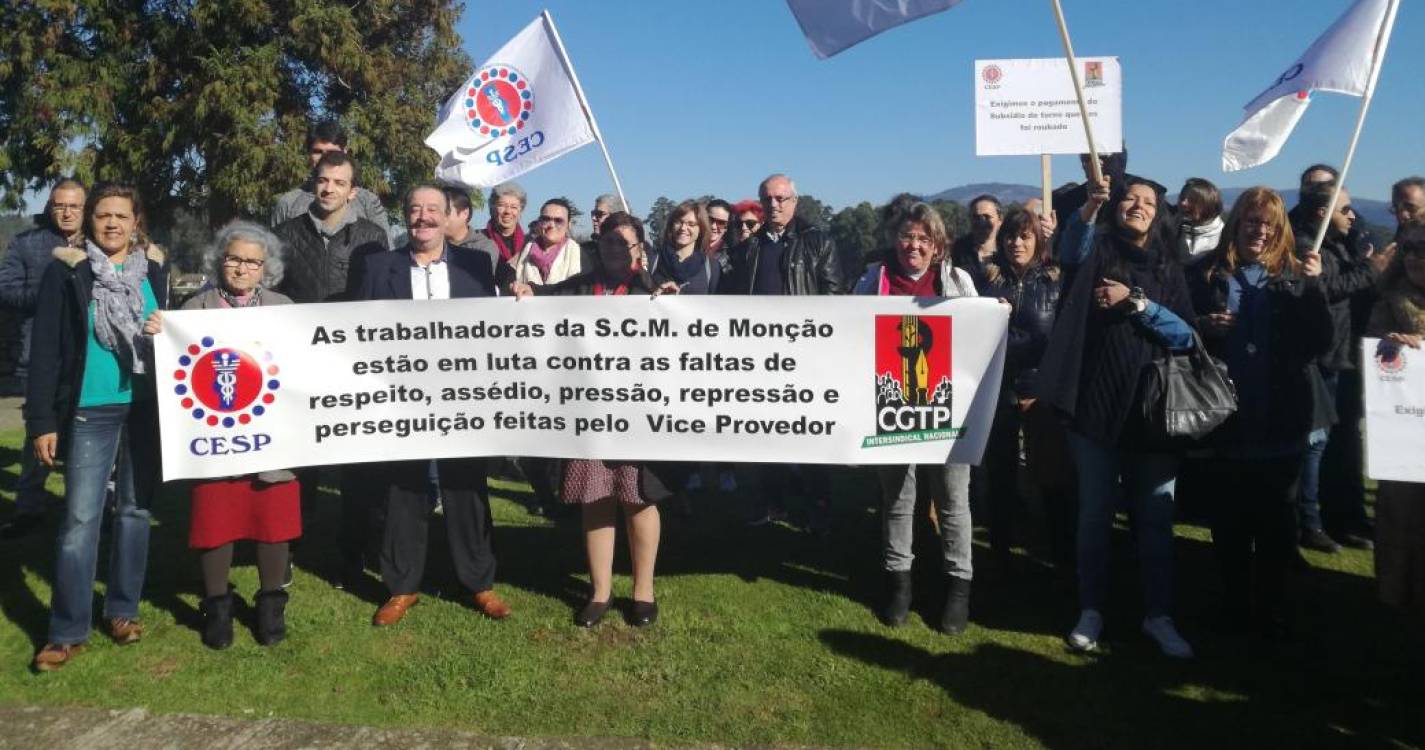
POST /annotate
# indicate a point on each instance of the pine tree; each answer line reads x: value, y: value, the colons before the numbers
x: 204, y: 104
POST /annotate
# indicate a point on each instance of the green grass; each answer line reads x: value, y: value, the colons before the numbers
x: 765, y: 637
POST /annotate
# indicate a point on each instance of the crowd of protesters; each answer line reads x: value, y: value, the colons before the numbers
x: 1111, y: 279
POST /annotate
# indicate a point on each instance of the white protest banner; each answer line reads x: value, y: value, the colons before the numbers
x: 842, y: 380
x: 520, y: 109
x: 1028, y: 107
x: 1394, y: 380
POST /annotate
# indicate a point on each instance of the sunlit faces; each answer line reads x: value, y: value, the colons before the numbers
x: 1022, y: 248
x: 718, y: 218
x: 1188, y: 210
x: 779, y: 201
x: 553, y: 225
x: 1255, y: 233
x: 457, y: 225
x: 685, y: 230
x: 1344, y: 215
x: 242, y: 266
x: 1409, y: 205
x: 334, y: 188
x: 1137, y: 209
x: 113, y: 223
x: 747, y: 225
x: 426, y: 214
x: 66, y: 209
x: 915, y: 248
x: 320, y: 149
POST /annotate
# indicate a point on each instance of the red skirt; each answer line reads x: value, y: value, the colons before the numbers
x: 228, y: 510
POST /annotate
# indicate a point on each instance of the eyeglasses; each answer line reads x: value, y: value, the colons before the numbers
x: 717, y: 222
x: 251, y: 264
x: 749, y: 223
x: 911, y: 239
x: 778, y: 199
x: 597, y: 214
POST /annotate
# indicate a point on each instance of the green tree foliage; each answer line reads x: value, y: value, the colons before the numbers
x: 811, y: 210
x: 657, y: 217
x: 955, y: 216
x: 855, y: 228
x: 204, y: 104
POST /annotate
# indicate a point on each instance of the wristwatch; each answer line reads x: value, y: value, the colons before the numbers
x: 1137, y: 299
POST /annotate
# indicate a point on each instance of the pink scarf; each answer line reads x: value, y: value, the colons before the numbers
x: 544, y: 259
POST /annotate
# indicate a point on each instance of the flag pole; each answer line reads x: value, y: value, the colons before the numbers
x: 1078, y: 89
x: 1377, y: 59
x: 584, y: 104
x: 1044, y: 184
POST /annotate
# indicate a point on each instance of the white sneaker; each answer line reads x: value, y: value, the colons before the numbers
x: 1161, y: 630
x: 1084, y: 636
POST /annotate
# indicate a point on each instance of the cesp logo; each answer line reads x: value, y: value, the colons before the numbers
x: 226, y: 388
x: 498, y: 101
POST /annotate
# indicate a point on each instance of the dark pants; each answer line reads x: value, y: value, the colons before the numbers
x: 1254, y: 534
x: 1000, y: 477
x: 783, y: 481
x: 1050, y: 468
x: 1343, y: 492
x: 467, y: 524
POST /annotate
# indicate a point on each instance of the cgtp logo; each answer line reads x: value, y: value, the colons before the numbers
x: 913, y: 389
x: 498, y: 101
x: 1093, y: 74
x: 225, y: 387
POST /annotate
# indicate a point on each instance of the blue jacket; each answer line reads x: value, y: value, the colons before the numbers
x: 20, y: 274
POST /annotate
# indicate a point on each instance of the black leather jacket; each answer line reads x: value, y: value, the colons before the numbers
x: 810, y: 263
x: 1034, y: 297
x: 318, y: 271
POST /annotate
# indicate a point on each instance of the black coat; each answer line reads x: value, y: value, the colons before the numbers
x: 61, y: 338
x: 1349, y: 281
x: 330, y: 271
x: 388, y: 275
x: 1034, y: 298
x: 1301, y: 332
x: 810, y: 263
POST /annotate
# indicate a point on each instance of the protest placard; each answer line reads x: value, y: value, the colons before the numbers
x: 842, y: 380
x: 1028, y: 107
x: 1394, y: 381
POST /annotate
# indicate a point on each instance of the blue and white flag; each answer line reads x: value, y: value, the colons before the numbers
x: 1344, y: 60
x: 834, y: 25
x: 520, y: 109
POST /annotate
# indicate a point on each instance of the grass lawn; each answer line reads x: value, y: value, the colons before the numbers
x: 765, y: 636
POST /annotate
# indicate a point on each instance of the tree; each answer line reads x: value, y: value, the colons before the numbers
x: 856, y: 228
x: 813, y: 211
x: 204, y: 104
x: 657, y: 217
x: 956, y: 218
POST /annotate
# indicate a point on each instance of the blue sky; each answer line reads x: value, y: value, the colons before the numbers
x: 710, y: 97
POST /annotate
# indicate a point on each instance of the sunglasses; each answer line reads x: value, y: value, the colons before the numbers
x: 749, y: 223
x: 717, y: 222
x: 555, y: 220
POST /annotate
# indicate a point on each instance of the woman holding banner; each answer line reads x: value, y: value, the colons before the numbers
x: 1023, y: 273
x: 246, y: 262
x: 91, y: 401
x: 920, y: 266
x: 1399, y: 318
x: 1125, y: 303
x: 600, y: 487
x: 1265, y: 314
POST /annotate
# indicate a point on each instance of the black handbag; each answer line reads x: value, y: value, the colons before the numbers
x: 1187, y: 395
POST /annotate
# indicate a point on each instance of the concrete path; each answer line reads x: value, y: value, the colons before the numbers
x: 97, y: 729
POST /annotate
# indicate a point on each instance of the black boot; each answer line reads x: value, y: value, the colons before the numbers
x: 218, y: 621
x: 957, y: 607
x: 897, y: 606
x: 271, y: 617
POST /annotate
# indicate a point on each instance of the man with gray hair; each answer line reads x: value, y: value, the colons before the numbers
x: 788, y: 256
x: 604, y: 205
x: 62, y: 223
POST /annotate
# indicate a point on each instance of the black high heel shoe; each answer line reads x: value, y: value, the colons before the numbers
x: 643, y: 614
x: 591, y: 614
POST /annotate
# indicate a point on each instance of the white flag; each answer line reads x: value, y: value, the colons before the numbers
x: 1339, y: 61
x: 519, y: 110
x: 834, y: 25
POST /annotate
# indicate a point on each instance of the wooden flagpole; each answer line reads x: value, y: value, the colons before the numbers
x: 1078, y: 89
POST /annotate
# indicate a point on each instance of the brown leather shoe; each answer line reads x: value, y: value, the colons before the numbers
x: 491, y: 605
x: 394, y: 609
x: 125, y: 631
x: 55, y: 655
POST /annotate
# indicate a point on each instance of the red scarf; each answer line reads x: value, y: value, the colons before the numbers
x: 928, y: 285
x: 622, y: 289
x: 506, y: 252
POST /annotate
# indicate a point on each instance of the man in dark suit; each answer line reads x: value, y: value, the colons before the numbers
x: 427, y: 268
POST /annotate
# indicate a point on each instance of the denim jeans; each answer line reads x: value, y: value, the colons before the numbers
x: 950, y: 490
x: 1147, y: 480
x: 102, y: 438
x: 1308, y: 508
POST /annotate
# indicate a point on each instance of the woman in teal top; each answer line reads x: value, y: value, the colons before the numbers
x: 91, y: 400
